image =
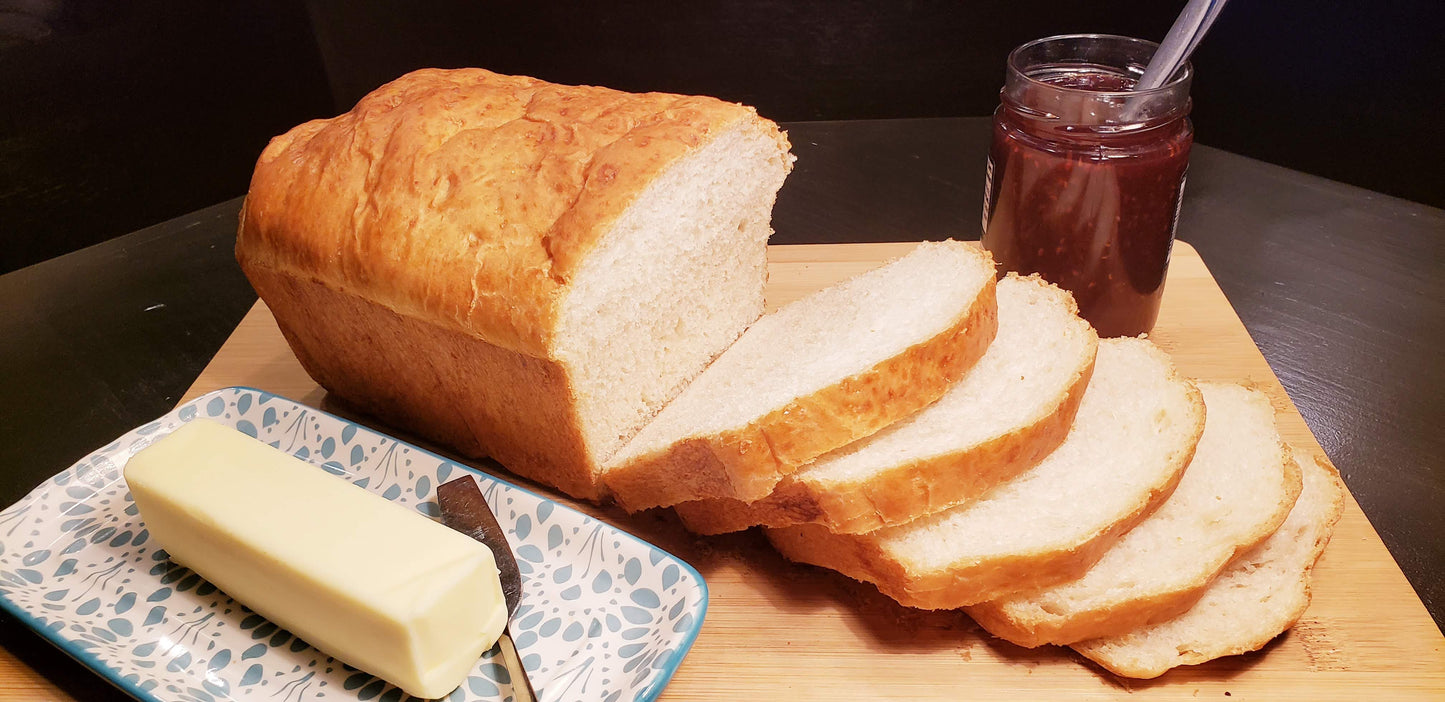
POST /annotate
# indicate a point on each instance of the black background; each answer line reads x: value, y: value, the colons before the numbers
x: 116, y: 114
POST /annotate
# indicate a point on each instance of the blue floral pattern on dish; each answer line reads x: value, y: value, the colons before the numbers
x: 604, y: 616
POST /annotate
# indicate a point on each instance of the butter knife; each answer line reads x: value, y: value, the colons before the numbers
x: 465, y: 510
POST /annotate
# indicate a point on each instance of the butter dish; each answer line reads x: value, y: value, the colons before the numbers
x: 605, y: 616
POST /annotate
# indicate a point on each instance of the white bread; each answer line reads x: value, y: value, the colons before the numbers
x: 510, y: 267
x: 1135, y: 431
x: 817, y: 374
x: 1012, y: 409
x: 1261, y: 594
x: 1236, y: 491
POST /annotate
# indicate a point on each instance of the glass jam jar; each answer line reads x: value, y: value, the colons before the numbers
x: 1085, y: 176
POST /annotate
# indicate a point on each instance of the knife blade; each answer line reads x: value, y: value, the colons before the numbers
x: 465, y: 510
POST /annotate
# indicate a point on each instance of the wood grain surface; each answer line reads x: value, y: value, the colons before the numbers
x: 776, y: 630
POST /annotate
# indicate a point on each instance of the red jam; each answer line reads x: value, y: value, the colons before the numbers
x: 1086, y: 194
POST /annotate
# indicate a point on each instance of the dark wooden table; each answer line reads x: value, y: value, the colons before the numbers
x: 1341, y: 288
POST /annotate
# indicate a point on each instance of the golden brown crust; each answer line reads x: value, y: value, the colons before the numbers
x: 463, y: 197
x: 1156, y: 608
x: 747, y: 462
x: 901, y: 493
x: 960, y: 584
x: 478, y: 399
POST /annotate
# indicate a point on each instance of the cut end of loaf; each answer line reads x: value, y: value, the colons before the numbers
x: 677, y: 279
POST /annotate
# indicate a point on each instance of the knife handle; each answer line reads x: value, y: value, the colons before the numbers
x: 521, y: 686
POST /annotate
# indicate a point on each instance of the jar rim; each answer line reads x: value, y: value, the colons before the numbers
x: 1183, y: 75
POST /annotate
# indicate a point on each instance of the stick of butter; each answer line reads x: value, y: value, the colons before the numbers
x: 366, y: 580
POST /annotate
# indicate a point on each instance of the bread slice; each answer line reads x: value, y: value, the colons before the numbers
x: 1236, y: 491
x: 1136, y: 429
x: 510, y: 267
x: 817, y: 374
x: 1012, y: 409
x: 1261, y: 594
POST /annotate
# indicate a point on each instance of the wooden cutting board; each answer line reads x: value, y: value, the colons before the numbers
x: 775, y: 630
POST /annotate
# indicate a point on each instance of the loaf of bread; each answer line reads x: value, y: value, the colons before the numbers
x: 1013, y: 408
x: 820, y: 373
x: 513, y: 268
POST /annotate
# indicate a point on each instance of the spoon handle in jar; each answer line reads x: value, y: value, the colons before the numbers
x: 1214, y: 10
x: 1193, y: 21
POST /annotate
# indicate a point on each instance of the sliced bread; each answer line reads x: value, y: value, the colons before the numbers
x: 1260, y: 595
x: 1236, y: 491
x: 817, y: 374
x: 1135, y: 431
x: 1012, y: 409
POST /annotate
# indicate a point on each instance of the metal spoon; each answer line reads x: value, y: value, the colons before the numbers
x: 465, y: 510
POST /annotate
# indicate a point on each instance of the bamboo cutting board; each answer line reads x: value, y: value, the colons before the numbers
x: 776, y: 630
